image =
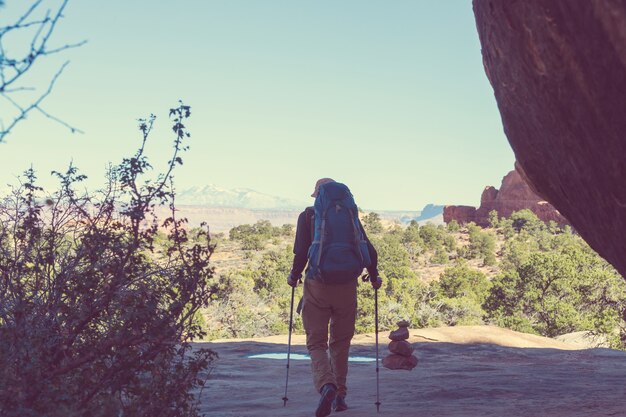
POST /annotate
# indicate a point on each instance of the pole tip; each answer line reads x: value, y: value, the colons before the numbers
x: 285, y: 401
x: 377, y: 406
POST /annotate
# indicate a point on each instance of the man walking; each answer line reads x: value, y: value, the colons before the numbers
x: 331, y: 239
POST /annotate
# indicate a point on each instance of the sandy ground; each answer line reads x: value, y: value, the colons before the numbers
x: 464, y: 371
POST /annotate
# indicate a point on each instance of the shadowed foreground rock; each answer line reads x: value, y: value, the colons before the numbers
x: 558, y: 70
x: 464, y: 371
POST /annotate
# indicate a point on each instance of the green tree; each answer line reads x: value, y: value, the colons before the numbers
x: 526, y: 220
x: 287, y: 230
x: 412, y: 241
x: 412, y: 233
x: 372, y: 223
x: 402, y: 288
x: 481, y: 244
x: 431, y: 235
x: 453, y: 226
x: 559, y: 290
x: 240, y: 232
x: 440, y: 257
x: 449, y: 242
x: 461, y: 280
x: 494, y: 221
x: 255, y: 237
x: 459, y: 295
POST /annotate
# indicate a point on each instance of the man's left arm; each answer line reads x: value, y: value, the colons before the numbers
x: 300, y: 250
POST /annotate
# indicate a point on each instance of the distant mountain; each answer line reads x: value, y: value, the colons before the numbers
x: 222, y: 219
x: 213, y: 196
x: 430, y: 211
x: 225, y: 208
x: 403, y: 217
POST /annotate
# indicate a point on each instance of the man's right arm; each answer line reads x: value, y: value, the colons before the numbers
x: 374, y: 278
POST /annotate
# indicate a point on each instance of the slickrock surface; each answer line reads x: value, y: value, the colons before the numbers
x: 465, y: 371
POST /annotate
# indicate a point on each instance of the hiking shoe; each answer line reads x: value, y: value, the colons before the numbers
x: 340, y: 403
x: 328, y: 393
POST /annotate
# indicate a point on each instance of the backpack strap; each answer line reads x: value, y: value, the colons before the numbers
x: 310, y: 213
x: 322, y: 233
x: 357, y: 234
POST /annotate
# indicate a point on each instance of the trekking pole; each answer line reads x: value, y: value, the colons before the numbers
x: 293, y: 290
x: 376, y: 324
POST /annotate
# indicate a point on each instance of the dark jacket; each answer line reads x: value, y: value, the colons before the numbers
x: 304, y: 237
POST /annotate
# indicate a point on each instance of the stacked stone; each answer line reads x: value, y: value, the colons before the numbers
x: 401, y: 356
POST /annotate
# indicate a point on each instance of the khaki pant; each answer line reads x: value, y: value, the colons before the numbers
x: 324, y: 304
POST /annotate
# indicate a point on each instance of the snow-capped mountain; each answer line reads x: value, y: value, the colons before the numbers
x: 213, y: 196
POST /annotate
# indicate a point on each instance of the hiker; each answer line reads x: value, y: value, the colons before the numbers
x: 331, y: 239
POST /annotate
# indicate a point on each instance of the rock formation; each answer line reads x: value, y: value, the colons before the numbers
x: 462, y: 214
x: 514, y: 195
x: 558, y: 70
x: 401, y: 356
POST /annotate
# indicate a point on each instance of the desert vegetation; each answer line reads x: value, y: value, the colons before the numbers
x: 99, y: 298
x: 519, y: 273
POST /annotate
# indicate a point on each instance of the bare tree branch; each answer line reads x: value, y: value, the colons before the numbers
x: 42, y: 23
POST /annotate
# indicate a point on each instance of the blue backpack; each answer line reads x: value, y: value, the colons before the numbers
x: 339, y: 251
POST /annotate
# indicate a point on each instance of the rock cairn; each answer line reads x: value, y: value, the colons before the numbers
x: 401, y: 356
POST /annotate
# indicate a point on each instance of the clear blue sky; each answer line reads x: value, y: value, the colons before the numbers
x: 389, y: 97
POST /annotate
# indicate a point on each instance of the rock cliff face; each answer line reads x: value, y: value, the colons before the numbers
x: 462, y: 214
x: 514, y: 195
x: 558, y: 70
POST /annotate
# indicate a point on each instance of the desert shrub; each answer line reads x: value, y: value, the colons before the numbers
x: 440, y: 257
x: 449, y: 242
x: 432, y: 236
x: 402, y: 293
x: 238, y: 310
x: 255, y: 237
x: 481, y: 245
x: 372, y: 224
x: 365, y: 315
x: 453, y: 226
x: 412, y: 233
x: 494, y: 220
x: 393, y: 261
x: 459, y: 312
x: 95, y: 320
x: 412, y: 241
x: 254, y: 300
x: 459, y: 294
x: 288, y: 230
x: 559, y: 288
x: 526, y: 220
x: 461, y: 280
